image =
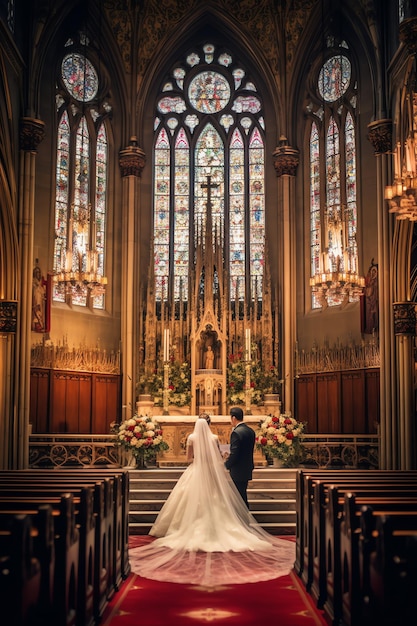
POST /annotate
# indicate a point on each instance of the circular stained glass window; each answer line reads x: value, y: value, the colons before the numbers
x: 209, y: 92
x: 334, y: 78
x: 79, y: 76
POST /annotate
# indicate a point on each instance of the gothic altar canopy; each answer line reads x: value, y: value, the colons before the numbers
x: 209, y: 342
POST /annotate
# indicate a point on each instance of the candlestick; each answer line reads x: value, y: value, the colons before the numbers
x: 248, y: 347
x: 166, y: 345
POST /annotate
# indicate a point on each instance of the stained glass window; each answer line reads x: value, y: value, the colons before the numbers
x: 333, y: 194
x: 334, y: 78
x: 79, y: 77
x: 209, y: 154
x: 81, y: 185
x: 315, y: 225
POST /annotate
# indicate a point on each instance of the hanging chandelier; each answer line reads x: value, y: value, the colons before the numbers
x: 79, y: 267
x: 337, y: 280
x: 402, y: 194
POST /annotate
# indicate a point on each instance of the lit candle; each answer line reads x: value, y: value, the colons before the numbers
x: 397, y: 161
x: 166, y: 344
x: 408, y: 156
x: 248, y: 350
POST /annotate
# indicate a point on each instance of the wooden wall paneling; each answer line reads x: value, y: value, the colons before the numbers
x: 105, y: 402
x: 328, y: 402
x: 372, y: 401
x: 305, y: 402
x: 85, y: 404
x: 78, y: 404
x: 70, y: 402
x: 353, y: 402
x: 58, y: 401
x: 39, y: 400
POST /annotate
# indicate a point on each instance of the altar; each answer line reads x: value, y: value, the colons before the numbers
x: 176, y: 429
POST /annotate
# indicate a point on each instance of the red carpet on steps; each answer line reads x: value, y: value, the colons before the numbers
x: 143, y: 602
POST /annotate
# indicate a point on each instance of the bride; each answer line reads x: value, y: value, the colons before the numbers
x: 205, y: 533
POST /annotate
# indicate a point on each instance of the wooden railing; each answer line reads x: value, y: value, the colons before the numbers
x: 321, y: 451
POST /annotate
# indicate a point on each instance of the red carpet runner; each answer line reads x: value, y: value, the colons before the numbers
x: 142, y: 602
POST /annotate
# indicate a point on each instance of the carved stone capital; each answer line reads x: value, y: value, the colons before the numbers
x: 408, y: 33
x: 404, y: 318
x: 8, y: 316
x: 32, y: 132
x: 286, y: 160
x: 380, y: 135
x: 132, y: 159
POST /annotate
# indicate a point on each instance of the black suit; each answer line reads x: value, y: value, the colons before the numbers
x: 240, y: 461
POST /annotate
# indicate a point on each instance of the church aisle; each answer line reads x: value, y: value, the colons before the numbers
x: 150, y: 603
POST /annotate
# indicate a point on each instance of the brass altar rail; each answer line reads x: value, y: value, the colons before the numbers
x: 331, y: 451
x: 347, y: 451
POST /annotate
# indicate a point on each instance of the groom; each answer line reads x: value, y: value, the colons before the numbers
x: 240, y: 460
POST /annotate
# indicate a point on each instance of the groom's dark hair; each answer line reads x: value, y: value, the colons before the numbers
x: 237, y: 413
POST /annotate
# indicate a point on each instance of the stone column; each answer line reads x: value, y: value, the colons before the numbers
x: 31, y: 134
x: 380, y: 136
x: 404, y: 424
x: 286, y: 161
x: 132, y: 161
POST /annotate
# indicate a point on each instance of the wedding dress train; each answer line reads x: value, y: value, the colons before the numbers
x: 205, y: 533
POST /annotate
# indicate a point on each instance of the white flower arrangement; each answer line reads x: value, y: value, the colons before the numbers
x: 142, y: 436
x: 279, y: 437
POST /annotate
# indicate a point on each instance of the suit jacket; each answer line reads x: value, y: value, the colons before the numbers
x: 240, y: 461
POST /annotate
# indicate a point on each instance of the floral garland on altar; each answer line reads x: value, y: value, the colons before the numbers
x: 261, y: 381
x: 179, y: 384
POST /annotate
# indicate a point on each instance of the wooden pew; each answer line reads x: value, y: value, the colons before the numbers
x: 343, y: 522
x: 393, y: 572
x: 20, y: 571
x: 305, y: 483
x: 305, y: 480
x: 41, y: 518
x: 326, y: 523
x: 120, y: 566
x: 319, y: 525
x: 74, y: 546
x: 115, y: 561
x: 67, y: 549
x: 369, y: 542
x: 120, y: 508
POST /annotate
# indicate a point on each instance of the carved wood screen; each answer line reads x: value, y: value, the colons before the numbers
x: 339, y: 402
x: 73, y: 402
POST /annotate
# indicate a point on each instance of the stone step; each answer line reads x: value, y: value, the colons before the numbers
x: 161, y: 494
x: 271, y: 495
x: 262, y: 504
x: 254, y: 485
x: 274, y: 528
x: 262, y: 517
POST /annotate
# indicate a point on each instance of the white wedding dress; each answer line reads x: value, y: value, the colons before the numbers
x: 206, y: 535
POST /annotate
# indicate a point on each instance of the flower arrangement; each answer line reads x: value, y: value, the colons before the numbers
x: 179, y: 384
x: 261, y: 381
x: 279, y: 437
x: 142, y: 436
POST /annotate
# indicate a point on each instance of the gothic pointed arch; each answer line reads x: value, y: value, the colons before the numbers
x: 209, y: 188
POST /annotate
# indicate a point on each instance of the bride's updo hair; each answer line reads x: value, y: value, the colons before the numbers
x: 205, y: 416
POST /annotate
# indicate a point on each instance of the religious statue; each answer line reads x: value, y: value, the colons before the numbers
x: 209, y: 358
x: 38, y: 301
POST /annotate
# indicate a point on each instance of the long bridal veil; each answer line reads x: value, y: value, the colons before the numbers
x: 205, y: 533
